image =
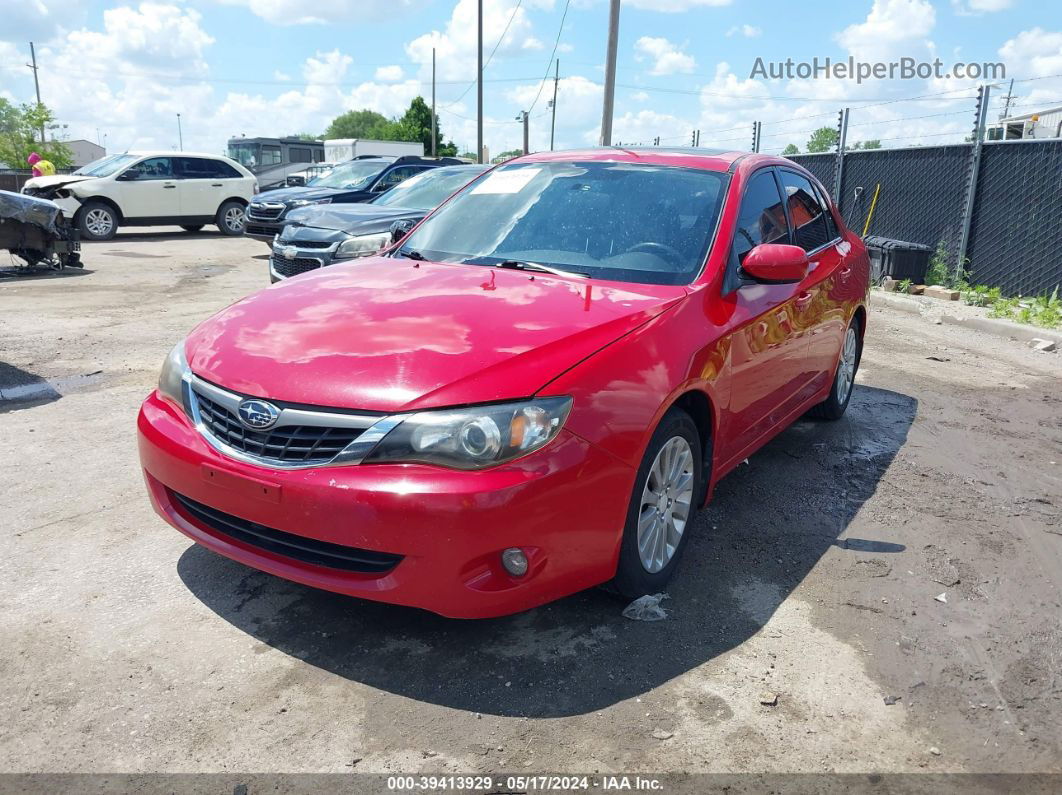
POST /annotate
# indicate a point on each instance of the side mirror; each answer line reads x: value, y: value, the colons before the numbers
x: 400, y: 228
x: 380, y: 187
x: 296, y: 181
x: 776, y: 263
x: 129, y: 174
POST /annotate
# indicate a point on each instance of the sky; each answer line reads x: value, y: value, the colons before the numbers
x: 120, y: 72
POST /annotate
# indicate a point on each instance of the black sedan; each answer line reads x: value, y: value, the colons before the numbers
x: 318, y: 235
x: 358, y: 180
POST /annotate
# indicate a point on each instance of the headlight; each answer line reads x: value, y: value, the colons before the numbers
x: 474, y: 438
x: 362, y: 245
x: 304, y: 202
x: 172, y: 376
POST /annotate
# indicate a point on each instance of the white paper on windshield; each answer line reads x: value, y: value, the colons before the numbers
x: 512, y: 180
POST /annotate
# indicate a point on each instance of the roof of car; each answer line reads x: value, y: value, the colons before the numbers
x: 171, y: 153
x: 709, y: 159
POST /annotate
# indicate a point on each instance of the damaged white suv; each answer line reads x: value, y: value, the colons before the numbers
x: 186, y: 189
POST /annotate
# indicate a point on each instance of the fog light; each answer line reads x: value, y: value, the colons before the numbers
x: 515, y: 561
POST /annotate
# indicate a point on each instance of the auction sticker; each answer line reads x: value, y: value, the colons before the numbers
x: 512, y: 180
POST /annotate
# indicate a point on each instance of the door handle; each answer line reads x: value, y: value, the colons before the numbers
x: 216, y: 185
x: 168, y: 187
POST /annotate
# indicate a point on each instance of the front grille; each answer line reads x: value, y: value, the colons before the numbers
x: 293, y: 267
x: 265, y: 212
x: 258, y: 229
x: 291, y: 444
x: 300, y: 548
x: 307, y: 243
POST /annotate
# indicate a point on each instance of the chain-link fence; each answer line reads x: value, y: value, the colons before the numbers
x: 1015, y: 240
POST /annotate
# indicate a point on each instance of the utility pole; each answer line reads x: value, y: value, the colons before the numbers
x: 180, y: 137
x: 523, y: 117
x: 433, y: 135
x: 36, y: 84
x: 610, y: 73
x: 1006, y: 106
x: 553, y: 121
x: 479, y: 83
x: 842, y: 138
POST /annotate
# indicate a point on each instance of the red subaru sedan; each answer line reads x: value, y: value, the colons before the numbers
x: 530, y: 395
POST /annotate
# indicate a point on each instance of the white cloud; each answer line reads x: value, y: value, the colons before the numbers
x: 390, y: 74
x: 748, y: 31
x: 39, y: 20
x: 455, y: 47
x: 283, y: 77
x: 640, y: 96
x: 668, y: 58
x: 890, y: 26
x: 673, y: 6
x: 972, y: 7
x: 1033, y: 53
x: 322, y: 12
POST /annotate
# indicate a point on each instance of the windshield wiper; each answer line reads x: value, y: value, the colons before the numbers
x: 522, y: 265
x: 410, y: 253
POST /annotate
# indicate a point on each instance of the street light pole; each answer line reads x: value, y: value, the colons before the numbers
x: 479, y: 82
x: 180, y: 136
x: 610, y: 73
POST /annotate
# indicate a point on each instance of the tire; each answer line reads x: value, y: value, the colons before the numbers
x: 645, y: 567
x: 227, y: 216
x: 191, y: 227
x: 97, y: 221
x: 848, y: 359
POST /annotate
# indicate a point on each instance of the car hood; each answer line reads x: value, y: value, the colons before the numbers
x: 56, y: 180
x: 297, y: 192
x: 384, y: 334
x: 353, y: 218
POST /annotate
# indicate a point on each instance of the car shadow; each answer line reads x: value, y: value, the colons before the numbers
x: 160, y: 233
x: 767, y: 526
x: 36, y: 274
x: 21, y: 389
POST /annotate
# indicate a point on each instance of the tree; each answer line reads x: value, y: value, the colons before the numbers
x: 468, y: 155
x: 873, y: 143
x: 791, y: 149
x: 20, y: 136
x: 822, y: 140
x: 415, y: 125
x: 363, y: 123
x: 509, y: 154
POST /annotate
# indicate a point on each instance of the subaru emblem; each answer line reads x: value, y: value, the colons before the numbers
x: 258, y: 414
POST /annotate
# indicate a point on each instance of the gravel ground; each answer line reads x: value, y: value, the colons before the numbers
x: 813, y: 582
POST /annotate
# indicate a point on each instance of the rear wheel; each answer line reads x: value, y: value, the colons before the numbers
x: 230, y: 218
x: 191, y: 227
x: 834, y: 406
x: 661, y: 508
x: 97, y: 221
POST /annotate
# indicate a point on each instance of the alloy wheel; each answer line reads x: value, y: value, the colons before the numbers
x: 234, y: 218
x: 99, y: 222
x: 665, y: 507
x: 846, y: 367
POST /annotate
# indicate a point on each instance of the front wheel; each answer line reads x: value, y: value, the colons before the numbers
x: 97, y: 221
x: 661, y: 507
x: 834, y: 406
x: 230, y: 218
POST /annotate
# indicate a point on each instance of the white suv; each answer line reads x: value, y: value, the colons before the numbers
x: 186, y: 189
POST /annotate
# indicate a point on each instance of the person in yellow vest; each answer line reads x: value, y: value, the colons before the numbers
x: 41, y: 167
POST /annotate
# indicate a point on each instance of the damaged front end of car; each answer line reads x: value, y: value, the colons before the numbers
x: 37, y: 232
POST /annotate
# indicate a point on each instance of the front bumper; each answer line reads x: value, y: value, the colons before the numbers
x: 262, y: 230
x: 564, y: 505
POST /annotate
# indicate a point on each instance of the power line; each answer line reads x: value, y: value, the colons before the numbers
x: 486, y: 63
x: 552, y: 55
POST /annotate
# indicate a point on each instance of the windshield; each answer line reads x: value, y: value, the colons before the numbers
x: 426, y: 191
x: 629, y: 222
x: 355, y: 175
x: 105, y: 166
x: 246, y: 154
